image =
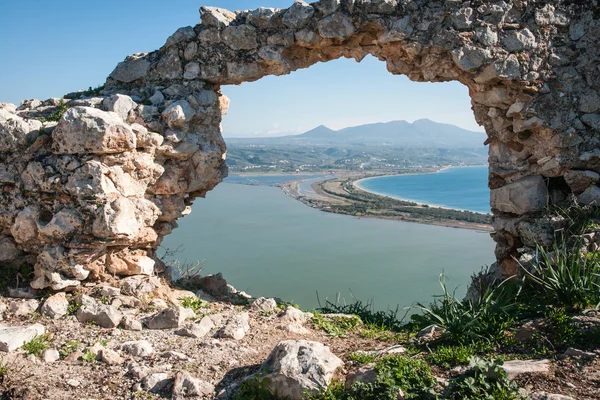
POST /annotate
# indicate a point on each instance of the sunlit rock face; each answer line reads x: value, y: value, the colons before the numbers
x: 94, y: 193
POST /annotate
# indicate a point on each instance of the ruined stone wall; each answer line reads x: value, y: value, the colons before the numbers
x: 94, y: 193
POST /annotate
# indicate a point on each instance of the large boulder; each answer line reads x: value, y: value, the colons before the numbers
x: 297, y: 367
x: 89, y: 130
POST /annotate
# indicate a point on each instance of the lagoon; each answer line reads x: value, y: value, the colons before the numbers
x: 271, y: 245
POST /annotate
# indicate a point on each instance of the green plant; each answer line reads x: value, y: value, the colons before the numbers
x: 562, y: 330
x: 254, y: 388
x: 336, y: 325
x: 361, y: 357
x: 472, y: 320
x: 563, y: 277
x: 73, y: 307
x: 60, y: 110
x: 69, y: 347
x: 451, y: 356
x: 37, y: 345
x: 88, y: 357
x: 365, y: 311
x: 193, y: 303
x: 485, y: 380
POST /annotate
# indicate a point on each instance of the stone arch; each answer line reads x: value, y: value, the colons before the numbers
x: 123, y: 165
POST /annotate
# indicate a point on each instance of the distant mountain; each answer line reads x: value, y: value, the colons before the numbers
x: 421, y: 133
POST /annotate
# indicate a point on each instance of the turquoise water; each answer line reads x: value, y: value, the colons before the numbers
x: 461, y: 188
x: 268, y: 244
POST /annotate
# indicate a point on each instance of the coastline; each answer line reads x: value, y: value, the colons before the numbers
x: 358, y: 185
x: 340, y: 192
x: 340, y: 203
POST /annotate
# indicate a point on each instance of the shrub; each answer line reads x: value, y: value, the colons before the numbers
x: 336, y: 325
x: 193, y: 303
x: 563, y: 278
x: 366, y: 312
x: 37, y: 345
x: 60, y: 110
x: 485, y: 380
x: 451, y: 356
x: 470, y: 321
x: 361, y: 357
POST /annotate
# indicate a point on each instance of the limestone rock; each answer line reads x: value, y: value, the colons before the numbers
x: 154, y: 383
x: 264, y: 304
x: 216, y: 17
x: 240, y: 37
x: 336, y: 26
x: 292, y: 315
x: 525, y: 195
x: 298, y: 15
x: 364, y: 374
x: 8, y: 250
x: 549, y: 396
x: 120, y: 104
x: 236, y: 327
x: 90, y: 311
x: 140, y: 348
x: 296, y: 367
x: 23, y: 308
x: 187, y: 386
x: 89, y: 130
x: 261, y: 17
x: 168, y: 318
x: 13, y: 337
x: 519, y: 40
x: 50, y: 355
x: 198, y: 329
x: 132, y: 69
x: 55, y: 306
x: 131, y: 324
x: 514, y: 368
x: 110, y: 357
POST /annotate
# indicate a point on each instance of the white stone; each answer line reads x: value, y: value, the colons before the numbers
x: 13, y: 337
x: 140, y: 348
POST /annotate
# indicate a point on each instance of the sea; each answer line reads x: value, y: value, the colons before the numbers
x: 461, y: 188
x: 268, y: 244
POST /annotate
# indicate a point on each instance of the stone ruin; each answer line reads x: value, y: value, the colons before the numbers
x: 93, y: 194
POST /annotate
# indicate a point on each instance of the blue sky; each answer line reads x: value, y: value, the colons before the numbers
x: 50, y: 48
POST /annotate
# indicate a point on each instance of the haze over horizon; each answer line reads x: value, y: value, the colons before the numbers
x: 339, y: 94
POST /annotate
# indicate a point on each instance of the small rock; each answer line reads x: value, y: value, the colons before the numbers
x: 50, y: 355
x: 13, y: 337
x: 549, y: 396
x: 430, y: 332
x: 55, y: 306
x: 23, y: 308
x: 571, y: 352
x: 73, y: 383
x: 104, y: 315
x: 293, y: 315
x: 74, y: 356
x: 168, y: 318
x: 140, y: 348
x: 397, y: 349
x: 187, y: 386
x: 236, y: 327
x: 131, y: 324
x: 198, y: 329
x: 137, y: 371
x: 264, y: 304
x: 154, y: 383
x: 95, y: 349
x: 514, y: 368
x: 110, y: 357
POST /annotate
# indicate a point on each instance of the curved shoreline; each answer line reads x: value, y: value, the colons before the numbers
x: 357, y: 184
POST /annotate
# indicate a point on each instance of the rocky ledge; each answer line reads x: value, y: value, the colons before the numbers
x: 146, y: 340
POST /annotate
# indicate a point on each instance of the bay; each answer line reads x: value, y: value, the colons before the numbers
x: 268, y: 244
x: 460, y: 188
